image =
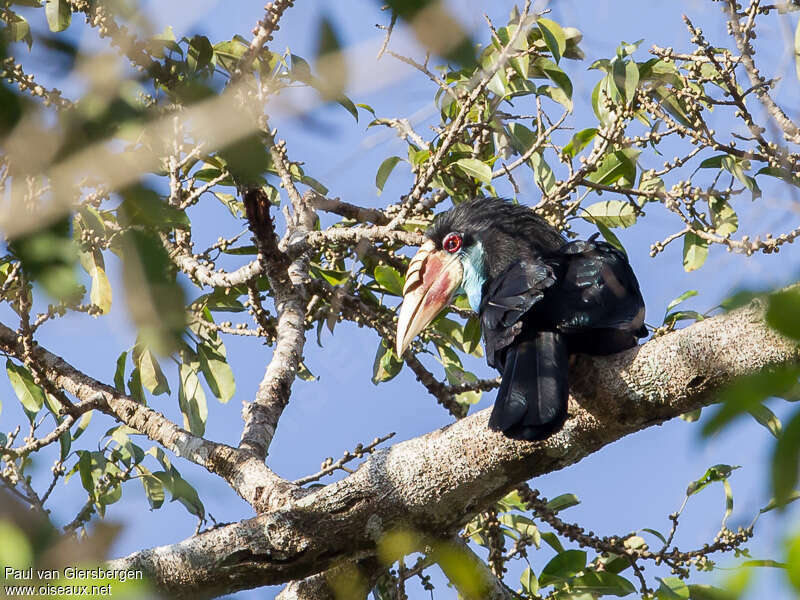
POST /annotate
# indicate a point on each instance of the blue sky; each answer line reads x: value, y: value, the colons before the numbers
x: 631, y: 484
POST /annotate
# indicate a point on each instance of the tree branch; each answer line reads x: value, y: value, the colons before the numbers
x: 436, y: 482
x: 261, y: 416
x: 248, y: 476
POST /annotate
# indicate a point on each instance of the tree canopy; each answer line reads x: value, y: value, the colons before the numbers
x: 157, y: 197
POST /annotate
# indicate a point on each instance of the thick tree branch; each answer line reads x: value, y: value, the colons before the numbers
x: 436, y: 482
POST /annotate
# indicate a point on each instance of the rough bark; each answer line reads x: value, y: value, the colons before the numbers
x: 436, y: 482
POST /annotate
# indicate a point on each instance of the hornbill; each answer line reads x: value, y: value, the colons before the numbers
x: 539, y: 299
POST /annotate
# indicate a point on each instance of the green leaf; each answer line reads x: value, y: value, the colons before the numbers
x: 313, y: 184
x: 728, y: 502
x: 600, y: 582
x: 784, y: 174
x: 304, y: 373
x: 723, y: 217
x: 555, y: 74
x: 607, y: 234
x: 557, y: 95
x: 553, y: 36
x: 684, y: 296
x: 236, y: 207
x: 48, y: 256
x: 164, y: 40
x: 772, y: 504
x: 472, y: 337
x: 523, y: 526
x: 692, y: 416
x: 65, y: 443
x: 143, y: 206
x: 475, y: 168
x: 553, y: 541
x: 101, y: 292
x: 367, y: 108
x: 797, y: 60
x: 30, y: 395
x: 16, y: 550
x: 386, y: 365
x: 671, y: 103
x: 192, y: 400
x: 135, y: 387
x: 389, y: 279
x: 119, y: 373
x: 542, y: 173
x: 512, y: 500
x: 562, y: 566
x: 793, y: 562
x: 626, y: 76
x: 748, y: 392
x: 387, y: 166
x: 604, y: 88
x: 153, y: 487
x: 767, y: 418
x: 786, y: 461
x: 619, y: 165
x: 612, y: 213
x: 563, y: 502
x: 709, y: 592
x: 200, y: 53
x: 184, y: 493
x: 530, y: 584
x: 217, y: 372
x: 650, y: 183
x: 672, y: 588
x: 695, y: 251
x: 714, y: 162
x: 155, y: 299
x: 58, y: 13
x: 82, y: 425
x: 331, y: 63
x: 784, y: 306
x: 768, y: 563
x: 152, y: 377
x: 579, y: 141
x: 522, y: 138
x: 736, y: 167
x: 658, y: 534
x: 19, y: 29
x: 716, y: 473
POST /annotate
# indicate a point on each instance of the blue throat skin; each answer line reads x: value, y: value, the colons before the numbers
x: 474, y: 274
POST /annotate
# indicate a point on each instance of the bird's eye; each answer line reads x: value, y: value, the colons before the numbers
x: 452, y: 243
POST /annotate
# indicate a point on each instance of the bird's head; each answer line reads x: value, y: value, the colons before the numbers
x: 465, y: 247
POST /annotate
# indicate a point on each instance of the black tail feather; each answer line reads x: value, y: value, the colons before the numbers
x: 532, y: 400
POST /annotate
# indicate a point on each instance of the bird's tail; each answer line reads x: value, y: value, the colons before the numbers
x: 532, y: 401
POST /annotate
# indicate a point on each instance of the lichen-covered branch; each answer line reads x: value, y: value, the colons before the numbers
x: 436, y: 482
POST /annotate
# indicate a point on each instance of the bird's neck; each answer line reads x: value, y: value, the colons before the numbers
x: 474, y: 275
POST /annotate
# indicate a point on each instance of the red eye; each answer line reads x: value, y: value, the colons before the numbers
x: 452, y: 243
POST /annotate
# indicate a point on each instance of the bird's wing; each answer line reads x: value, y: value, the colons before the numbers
x: 508, y: 297
x: 596, y: 290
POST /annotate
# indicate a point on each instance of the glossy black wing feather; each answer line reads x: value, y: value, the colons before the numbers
x: 508, y: 298
x: 532, y: 400
x: 597, y: 301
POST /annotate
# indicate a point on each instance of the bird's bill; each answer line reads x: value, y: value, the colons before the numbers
x: 431, y: 281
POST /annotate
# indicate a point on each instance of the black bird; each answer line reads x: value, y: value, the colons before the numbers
x: 539, y: 297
